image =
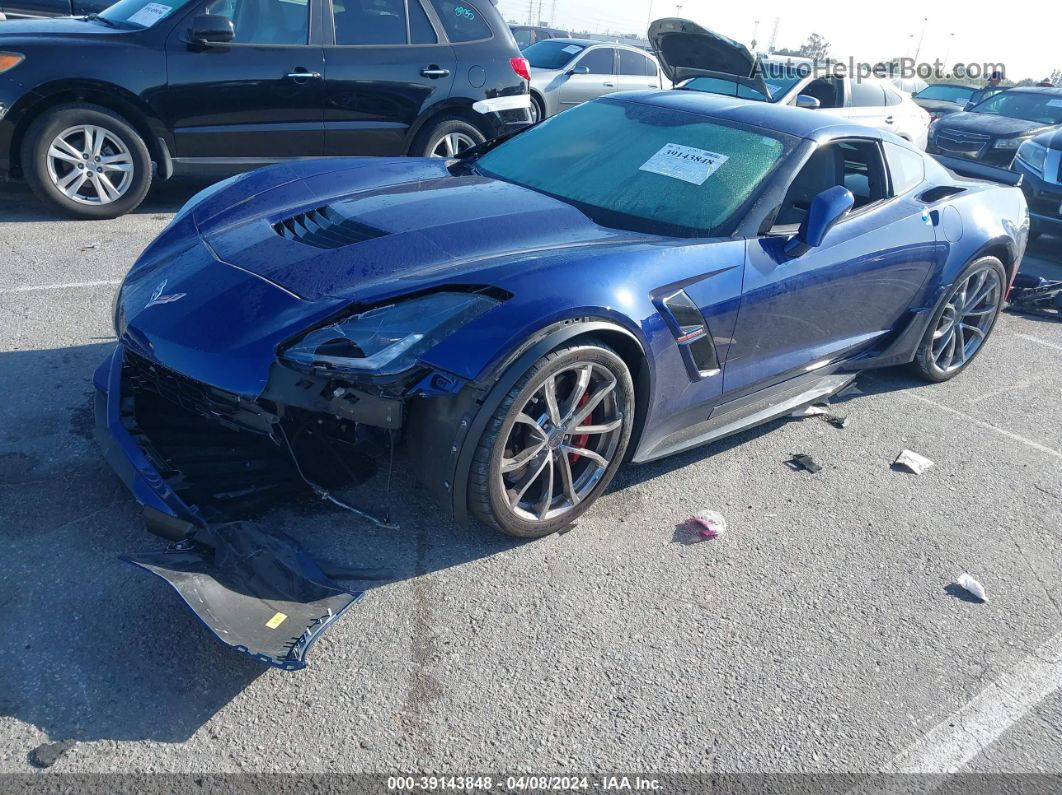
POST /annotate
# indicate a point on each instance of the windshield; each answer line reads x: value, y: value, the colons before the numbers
x: 551, y: 53
x: 640, y: 167
x: 141, y: 13
x: 960, y: 94
x: 1043, y: 108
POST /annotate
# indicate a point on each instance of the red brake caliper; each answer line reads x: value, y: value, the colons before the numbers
x: 583, y: 438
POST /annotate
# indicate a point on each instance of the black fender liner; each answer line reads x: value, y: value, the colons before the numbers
x: 444, y: 432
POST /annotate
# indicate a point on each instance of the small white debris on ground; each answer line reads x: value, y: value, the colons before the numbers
x: 968, y: 583
x: 913, y: 462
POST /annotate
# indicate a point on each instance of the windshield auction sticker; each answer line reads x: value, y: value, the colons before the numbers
x: 150, y: 14
x: 684, y: 162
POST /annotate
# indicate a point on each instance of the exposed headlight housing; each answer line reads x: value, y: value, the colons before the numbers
x: 1033, y: 155
x: 1009, y: 143
x: 387, y: 339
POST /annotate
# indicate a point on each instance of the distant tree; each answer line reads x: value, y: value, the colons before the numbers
x: 816, y: 48
x: 1056, y: 77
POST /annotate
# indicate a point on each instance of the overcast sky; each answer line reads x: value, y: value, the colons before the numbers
x: 1024, y: 35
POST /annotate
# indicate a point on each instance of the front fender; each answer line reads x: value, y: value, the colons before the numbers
x: 444, y: 432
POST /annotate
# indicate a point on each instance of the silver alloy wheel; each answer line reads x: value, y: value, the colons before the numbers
x: 561, y: 442
x: 966, y: 320
x: 451, y: 144
x: 90, y: 164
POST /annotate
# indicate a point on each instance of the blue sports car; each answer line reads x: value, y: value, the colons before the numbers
x: 636, y: 276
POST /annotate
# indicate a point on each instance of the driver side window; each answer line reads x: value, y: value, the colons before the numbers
x: 265, y: 21
x: 829, y: 91
x: 857, y: 165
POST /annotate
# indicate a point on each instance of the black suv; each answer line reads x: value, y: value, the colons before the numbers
x: 90, y: 107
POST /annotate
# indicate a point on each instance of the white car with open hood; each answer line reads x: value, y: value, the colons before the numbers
x: 701, y: 60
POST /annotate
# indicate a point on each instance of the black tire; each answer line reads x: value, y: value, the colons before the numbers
x: 432, y: 138
x: 486, y: 493
x: 925, y: 361
x: 124, y: 141
x: 538, y: 109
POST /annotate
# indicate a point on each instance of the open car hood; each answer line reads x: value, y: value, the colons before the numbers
x: 686, y: 50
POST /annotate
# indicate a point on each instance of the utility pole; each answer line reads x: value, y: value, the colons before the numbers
x: 774, y: 35
x: 947, y: 52
x: 918, y: 49
x: 678, y: 9
x: 530, y: 11
x: 553, y: 14
x: 755, y: 30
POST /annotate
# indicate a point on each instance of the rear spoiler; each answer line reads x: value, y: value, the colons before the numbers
x: 971, y: 168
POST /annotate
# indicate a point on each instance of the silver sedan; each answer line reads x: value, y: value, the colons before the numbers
x: 567, y: 72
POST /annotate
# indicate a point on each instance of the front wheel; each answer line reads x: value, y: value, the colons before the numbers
x: 963, y: 320
x: 554, y: 442
x: 86, y: 162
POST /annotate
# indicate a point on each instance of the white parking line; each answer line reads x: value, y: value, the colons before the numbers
x: 1031, y: 338
x: 959, y: 738
x: 31, y: 288
x: 986, y: 425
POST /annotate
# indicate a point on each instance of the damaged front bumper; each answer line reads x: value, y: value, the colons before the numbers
x: 209, y: 458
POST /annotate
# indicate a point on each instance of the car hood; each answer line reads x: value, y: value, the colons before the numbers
x: 686, y: 50
x: 1052, y: 139
x: 75, y: 27
x: 989, y: 124
x: 404, y: 222
x: 938, y: 105
x: 221, y: 289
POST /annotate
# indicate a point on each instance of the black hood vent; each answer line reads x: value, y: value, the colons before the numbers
x: 323, y: 227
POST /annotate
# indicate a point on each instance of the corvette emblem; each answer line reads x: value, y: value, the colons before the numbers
x: 158, y: 298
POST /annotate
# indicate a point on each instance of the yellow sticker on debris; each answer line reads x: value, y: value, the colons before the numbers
x: 276, y: 620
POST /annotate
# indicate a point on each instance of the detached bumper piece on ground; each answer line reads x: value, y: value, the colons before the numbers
x: 256, y: 589
x: 1032, y: 295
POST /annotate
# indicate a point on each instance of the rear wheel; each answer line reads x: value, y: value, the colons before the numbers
x: 554, y: 443
x: 963, y: 320
x: 447, y: 138
x: 86, y: 162
x: 538, y: 109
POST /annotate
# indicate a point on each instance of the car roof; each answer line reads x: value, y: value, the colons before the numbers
x: 798, y: 122
x: 1056, y: 92
x: 951, y: 85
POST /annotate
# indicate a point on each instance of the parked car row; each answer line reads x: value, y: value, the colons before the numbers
x: 91, y: 106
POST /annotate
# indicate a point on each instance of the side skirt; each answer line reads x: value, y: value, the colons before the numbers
x: 746, y: 412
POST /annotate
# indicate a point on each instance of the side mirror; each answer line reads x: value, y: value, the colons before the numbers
x: 827, y: 209
x: 808, y: 101
x: 967, y: 106
x: 579, y: 70
x: 212, y: 29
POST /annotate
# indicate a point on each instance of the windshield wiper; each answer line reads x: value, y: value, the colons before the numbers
x: 97, y: 18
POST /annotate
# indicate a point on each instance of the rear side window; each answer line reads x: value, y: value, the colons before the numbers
x: 908, y: 168
x: 420, y: 29
x: 370, y: 21
x: 599, y: 62
x: 631, y: 63
x: 866, y: 94
x: 462, y: 21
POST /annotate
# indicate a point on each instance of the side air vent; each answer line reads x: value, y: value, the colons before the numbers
x: 323, y: 227
x: 692, y: 334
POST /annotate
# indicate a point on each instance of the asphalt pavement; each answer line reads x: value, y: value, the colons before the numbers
x: 821, y: 634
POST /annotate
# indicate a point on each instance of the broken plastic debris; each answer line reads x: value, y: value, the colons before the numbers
x: 90, y: 247
x: 711, y: 523
x: 837, y: 422
x: 913, y: 462
x: 811, y: 411
x: 802, y: 461
x: 968, y: 583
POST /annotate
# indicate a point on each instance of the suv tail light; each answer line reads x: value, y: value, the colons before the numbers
x: 521, y: 67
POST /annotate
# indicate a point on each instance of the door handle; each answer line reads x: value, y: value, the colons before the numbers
x: 653, y: 85
x: 434, y: 72
x: 889, y: 119
x: 304, y: 75
x: 609, y: 85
